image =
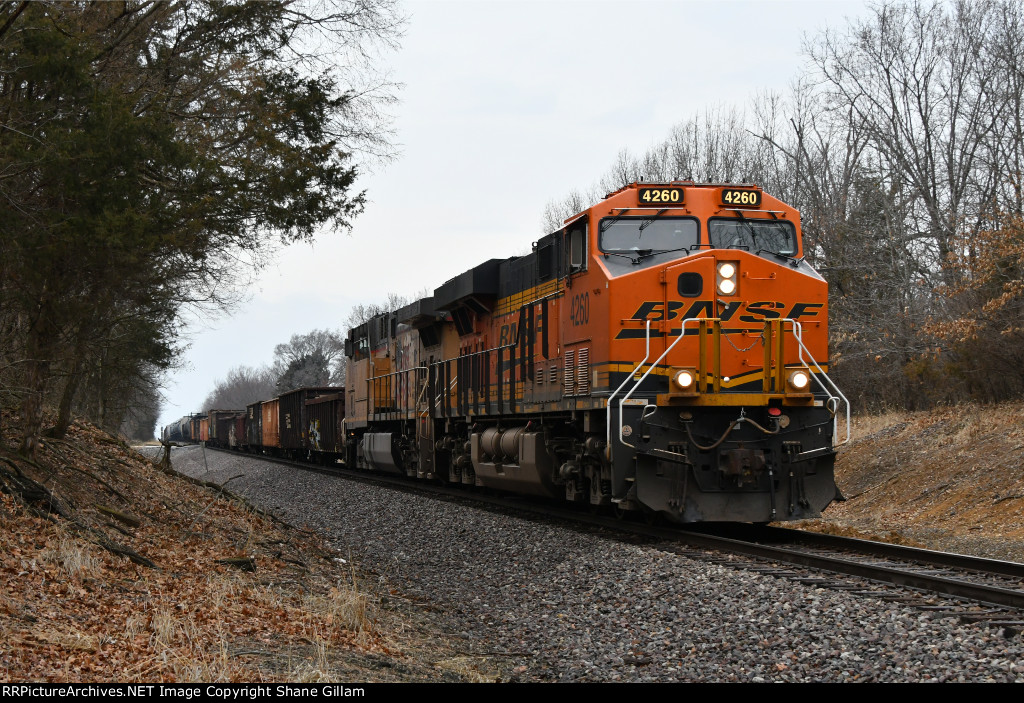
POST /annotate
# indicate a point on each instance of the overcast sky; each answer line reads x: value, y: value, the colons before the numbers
x: 506, y: 105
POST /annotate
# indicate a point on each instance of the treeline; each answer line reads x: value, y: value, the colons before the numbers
x: 313, y: 359
x: 305, y: 360
x: 152, y: 156
x: 902, y: 145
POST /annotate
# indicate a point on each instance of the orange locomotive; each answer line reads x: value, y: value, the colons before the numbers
x: 664, y: 352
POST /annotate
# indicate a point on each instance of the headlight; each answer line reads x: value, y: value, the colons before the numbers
x: 685, y: 379
x: 800, y: 379
x: 727, y: 272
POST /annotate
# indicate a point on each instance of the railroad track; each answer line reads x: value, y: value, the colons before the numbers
x: 978, y: 590
x: 974, y: 589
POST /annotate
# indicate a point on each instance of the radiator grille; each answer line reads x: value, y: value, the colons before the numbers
x: 570, y: 371
x: 583, y: 371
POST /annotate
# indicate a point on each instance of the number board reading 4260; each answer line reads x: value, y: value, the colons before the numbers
x: 741, y: 197
x: 660, y: 196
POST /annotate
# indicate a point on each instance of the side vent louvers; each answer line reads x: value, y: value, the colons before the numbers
x: 577, y: 371
x: 583, y: 372
x: 570, y: 376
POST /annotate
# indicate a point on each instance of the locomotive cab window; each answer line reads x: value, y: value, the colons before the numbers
x: 576, y: 248
x: 773, y: 236
x: 630, y: 242
x: 357, y: 346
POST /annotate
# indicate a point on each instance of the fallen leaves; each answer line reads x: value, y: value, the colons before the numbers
x: 929, y: 478
x: 71, y: 610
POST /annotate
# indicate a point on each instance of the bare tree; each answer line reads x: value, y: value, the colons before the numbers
x: 242, y: 385
x: 313, y: 359
x: 363, y: 312
x: 912, y: 78
x: 556, y: 212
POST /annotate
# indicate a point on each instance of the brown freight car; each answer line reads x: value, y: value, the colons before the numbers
x: 254, y: 426
x: 293, y: 419
x: 325, y: 427
x: 224, y: 427
x: 194, y: 430
x: 270, y: 426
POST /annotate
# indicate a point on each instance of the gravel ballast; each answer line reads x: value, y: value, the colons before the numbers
x: 543, y: 602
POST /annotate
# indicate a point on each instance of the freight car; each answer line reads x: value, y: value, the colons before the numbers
x: 665, y: 352
x: 180, y: 431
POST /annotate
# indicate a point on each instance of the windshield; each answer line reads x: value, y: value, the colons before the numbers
x: 775, y: 236
x: 639, y: 237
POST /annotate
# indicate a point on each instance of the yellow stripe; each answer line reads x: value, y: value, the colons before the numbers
x: 748, y: 377
x: 512, y: 303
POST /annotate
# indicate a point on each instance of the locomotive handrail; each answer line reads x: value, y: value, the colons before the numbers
x: 835, y: 396
x: 422, y: 399
x: 374, y: 384
x: 798, y: 335
x: 608, y: 415
x: 454, y: 383
x: 682, y: 333
x: 479, y: 387
x: 468, y: 355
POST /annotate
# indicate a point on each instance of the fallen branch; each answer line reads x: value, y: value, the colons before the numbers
x: 243, y: 563
x: 66, y: 463
x: 119, y: 549
x: 253, y: 652
x: 127, y: 519
x: 32, y: 493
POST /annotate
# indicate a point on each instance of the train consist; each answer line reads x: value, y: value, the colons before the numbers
x: 665, y: 352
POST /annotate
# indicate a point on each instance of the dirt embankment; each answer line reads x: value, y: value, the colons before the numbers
x: 112, y: 569
x: 949, y: 479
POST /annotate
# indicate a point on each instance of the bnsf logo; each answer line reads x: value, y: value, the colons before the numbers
x: 656, y: 311
x: 754, y: 313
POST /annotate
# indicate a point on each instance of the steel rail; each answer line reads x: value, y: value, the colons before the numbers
x: 990, y: 595
x: 896, y: 551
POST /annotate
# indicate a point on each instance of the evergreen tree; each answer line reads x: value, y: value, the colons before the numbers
x: 148, y: 148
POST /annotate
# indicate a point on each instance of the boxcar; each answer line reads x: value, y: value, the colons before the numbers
x: 293, y: 419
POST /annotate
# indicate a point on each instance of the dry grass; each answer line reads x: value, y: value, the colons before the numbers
x: 949, y: 478
x: 316, y: 669
x: 73, y: 611
x: 863, y: 426
x: 469, y: 669
x: 73, y: 558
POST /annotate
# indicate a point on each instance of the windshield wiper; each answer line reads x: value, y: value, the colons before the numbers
x: 776, y: 254
x: 650, y: 220
x: 779, y: 255
x: 606, y: 223
x: 633, y: 259
x: 753, y: 235
x: 644, y: 253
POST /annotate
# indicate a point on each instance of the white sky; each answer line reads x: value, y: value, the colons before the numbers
x: 507, y: 105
